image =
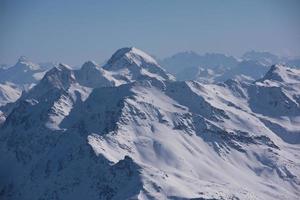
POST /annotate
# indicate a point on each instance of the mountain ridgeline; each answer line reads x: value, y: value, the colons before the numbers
x: 130, y: 130
x: 217, y: 67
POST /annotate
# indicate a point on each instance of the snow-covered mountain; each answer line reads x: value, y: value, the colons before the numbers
x: 249, y: 68
x: 125, y: 66
x: 130, y: 131
x: 265, y: 58
x: 22, y: 76
x: 214, y: 67
x: 92, y: 75
x: 131, y: 64
x: 188, y: 65
x: 23, y: 72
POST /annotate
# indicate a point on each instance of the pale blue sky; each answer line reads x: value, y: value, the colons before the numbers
x: 73, y: 31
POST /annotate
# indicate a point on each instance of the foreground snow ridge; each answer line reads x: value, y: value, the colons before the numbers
x: 129, y: 130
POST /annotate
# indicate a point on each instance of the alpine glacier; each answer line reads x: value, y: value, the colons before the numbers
x: 129, y: 130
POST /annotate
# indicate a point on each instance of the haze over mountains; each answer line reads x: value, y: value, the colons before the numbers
x: 213, y: 67
x: 130, y: 130
x: 207, y: 68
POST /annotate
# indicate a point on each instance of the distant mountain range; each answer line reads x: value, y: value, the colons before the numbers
x: 220, y: 67
x: 130, y: 130
x: 207, y: 68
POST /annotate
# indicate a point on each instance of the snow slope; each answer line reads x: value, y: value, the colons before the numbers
x: 8, y: 93
x: 129, y: 131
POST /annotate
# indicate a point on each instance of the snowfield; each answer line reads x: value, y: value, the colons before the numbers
x: 129, y: 130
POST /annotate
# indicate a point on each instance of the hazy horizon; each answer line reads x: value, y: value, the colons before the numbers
x: 77, y: 31
x: 154, y: 56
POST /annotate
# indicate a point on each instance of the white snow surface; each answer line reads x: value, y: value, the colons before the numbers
x: 130, y: 131
x: 131, y: 64
x: 9, y: 92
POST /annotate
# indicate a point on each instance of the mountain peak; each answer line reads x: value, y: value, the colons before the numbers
x: 130, y: 55
x: 130, y: 64
x: 24, y: 62
x: 63, y: 67
x: 282, y: 73
x: 61, y: 76
x: 89, y: 65
x: 91, y: 75
x: 23, y: 59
